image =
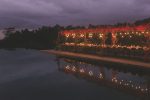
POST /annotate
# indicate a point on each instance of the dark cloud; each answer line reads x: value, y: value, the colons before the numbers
x: 33, y: 13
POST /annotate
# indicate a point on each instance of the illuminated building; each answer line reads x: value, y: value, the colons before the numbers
x: 125, y: 37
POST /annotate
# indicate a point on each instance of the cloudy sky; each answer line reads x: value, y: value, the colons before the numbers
x: 33, y: 13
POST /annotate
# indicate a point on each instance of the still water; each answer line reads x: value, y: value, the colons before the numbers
x: 35, y: 75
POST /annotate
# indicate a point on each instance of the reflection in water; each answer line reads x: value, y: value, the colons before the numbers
x: 127, y: 82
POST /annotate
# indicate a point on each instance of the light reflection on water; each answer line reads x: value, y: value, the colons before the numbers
x: 126, y: 82
x: 34, y: 75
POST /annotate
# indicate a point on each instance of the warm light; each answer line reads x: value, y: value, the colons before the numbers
x: 132, y: 86
x: 73, y: 35
x: 100, y: 35
x: 67, y: 35
x: 142, y: 89
x: 82, y: 44
x: 82, y: 35
x: 139, y: 87
x: 114, y: 35
x: 82, y: 70
x: 90, y: 73
x: 100, y: 75
x: 136, y: 87
x: 90, y: 35
x: 146, y: 89
x: 74, y: 68
x: 116, y: 80
x: 67, y: 67
x: 130, y: 36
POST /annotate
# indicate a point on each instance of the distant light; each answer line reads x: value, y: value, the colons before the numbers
x: 130, y: 36
x: 82, y: 70
x: 90, y: 73
x: 67, y: 67
x: 74, y: 68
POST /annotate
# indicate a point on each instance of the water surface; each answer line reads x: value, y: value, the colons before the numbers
x: 35, y: 75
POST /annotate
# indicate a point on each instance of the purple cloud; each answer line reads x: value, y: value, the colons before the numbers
x: 33, y: 13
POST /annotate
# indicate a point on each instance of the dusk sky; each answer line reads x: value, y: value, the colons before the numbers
x: 33, y: 13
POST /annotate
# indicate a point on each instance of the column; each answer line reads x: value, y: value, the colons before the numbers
x: 114, y: 38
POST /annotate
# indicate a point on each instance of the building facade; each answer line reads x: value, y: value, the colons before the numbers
x: 125, y: 37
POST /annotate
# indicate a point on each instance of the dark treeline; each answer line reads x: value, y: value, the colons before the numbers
x: 41, y: 38
x: 144, y: 21
x: 46, y: 37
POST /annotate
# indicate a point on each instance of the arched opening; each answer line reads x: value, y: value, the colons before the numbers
x: 108, y: 40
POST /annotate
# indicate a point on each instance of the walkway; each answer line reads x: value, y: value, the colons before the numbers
x: 94, y: 57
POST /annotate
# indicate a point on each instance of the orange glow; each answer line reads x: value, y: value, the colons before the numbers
x: 126, y: 29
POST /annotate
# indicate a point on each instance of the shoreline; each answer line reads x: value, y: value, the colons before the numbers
x: 138, y: 64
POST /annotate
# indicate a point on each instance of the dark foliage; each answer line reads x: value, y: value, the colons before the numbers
x: 144, y: 21
x: 41, y: 38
